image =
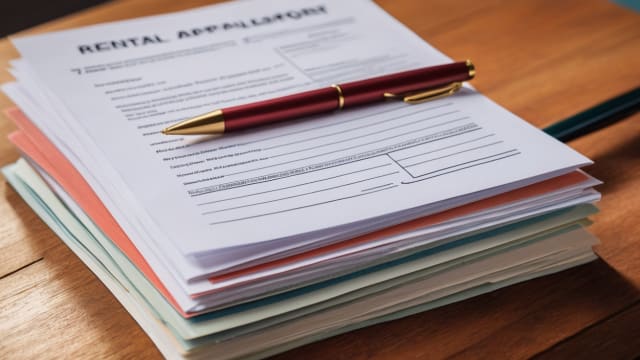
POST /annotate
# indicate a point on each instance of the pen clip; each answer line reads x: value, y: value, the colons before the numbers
x: 427, y: 95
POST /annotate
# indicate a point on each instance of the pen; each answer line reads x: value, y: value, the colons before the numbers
x: 597, y: 117
x: 413, y: 86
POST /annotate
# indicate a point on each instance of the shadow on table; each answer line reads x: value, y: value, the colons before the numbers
x: 613, y: 165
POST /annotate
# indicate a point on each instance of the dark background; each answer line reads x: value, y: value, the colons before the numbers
x: 16, y: 15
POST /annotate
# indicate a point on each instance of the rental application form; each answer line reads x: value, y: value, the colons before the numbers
x: 115, y: 86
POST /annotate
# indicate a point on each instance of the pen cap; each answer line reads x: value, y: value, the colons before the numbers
x: 372, y: 90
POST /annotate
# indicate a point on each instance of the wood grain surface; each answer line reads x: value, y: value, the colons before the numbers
x: 543, y: 60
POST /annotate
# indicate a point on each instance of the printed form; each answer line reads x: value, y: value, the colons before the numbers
x: 120, y: 84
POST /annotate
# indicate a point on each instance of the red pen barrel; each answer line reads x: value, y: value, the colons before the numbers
x: 353, y: 94
x: 279, y: 109
x: 372, y: 90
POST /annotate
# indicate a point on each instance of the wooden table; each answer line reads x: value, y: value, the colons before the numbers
x: 543, y: 60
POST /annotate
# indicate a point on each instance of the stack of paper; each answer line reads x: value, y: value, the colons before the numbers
x: 253, y: 243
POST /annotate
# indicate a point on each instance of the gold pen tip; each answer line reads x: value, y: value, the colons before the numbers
x: 209, y: 123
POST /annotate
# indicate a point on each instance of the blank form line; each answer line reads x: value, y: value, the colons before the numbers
x: 376, y: 187
x: 447, y: 147
x: 365, y: 126
x: 398, y: 164
x: 293, y: 64
x: 299, y: 195
x: 332, y: 24
x: 300, y: 207
x: 455, y: 153
x: 470, y: 161
x: 355, y: 69
x: 341, y: 150
x: 466, y: 167
x: 293, y: 186
x: 199, y: 192
x: 391, y: 186
x: 378, y: 132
